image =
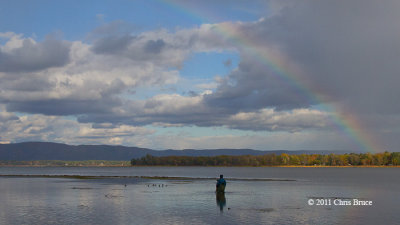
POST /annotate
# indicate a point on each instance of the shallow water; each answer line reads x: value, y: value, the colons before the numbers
x: 282, y: 198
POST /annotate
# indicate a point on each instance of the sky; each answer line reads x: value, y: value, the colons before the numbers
x: 266, y: 75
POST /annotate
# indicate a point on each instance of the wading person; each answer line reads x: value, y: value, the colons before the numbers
x: 221, y: 183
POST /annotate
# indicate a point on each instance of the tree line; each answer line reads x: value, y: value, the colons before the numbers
x: 352, y: 159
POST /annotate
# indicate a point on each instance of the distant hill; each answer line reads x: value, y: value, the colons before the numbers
x: 54, y: 151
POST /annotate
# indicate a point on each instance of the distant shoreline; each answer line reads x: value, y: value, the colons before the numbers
x: 128, y: 165
x: 88, y: 177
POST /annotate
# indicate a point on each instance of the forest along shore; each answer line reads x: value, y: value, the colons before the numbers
x: 384, y: 159
x: 352, y: 159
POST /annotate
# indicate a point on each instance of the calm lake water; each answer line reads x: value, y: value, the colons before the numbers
x: 253, y: 196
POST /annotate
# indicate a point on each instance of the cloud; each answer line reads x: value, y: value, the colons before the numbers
x: 164, y: 108
x: 98, y: 76
x: 53, y: 128
x: 170, y: 110
x: 151, y: 47
x: 271, y: 120
x: 26, y: 55
x: 6, y: 116
x: 112, y: 44
x: 90, y: 83
x: 58, y: 129
x: 154, y: 47
x: 254, y: 86
x: 63, y: 107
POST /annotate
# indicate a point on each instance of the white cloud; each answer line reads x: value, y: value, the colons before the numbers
x: 269, y: 119
x: 53, y: 128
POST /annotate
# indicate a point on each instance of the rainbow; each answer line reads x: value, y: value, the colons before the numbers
x: 341, y: 120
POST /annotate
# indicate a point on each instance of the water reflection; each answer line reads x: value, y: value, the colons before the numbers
x: 221, y: 200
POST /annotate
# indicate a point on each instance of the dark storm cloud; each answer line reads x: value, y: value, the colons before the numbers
x: 33, y: 56
x: 348, y: 50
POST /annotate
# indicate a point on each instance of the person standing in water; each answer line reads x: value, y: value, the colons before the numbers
x: 221, y: 183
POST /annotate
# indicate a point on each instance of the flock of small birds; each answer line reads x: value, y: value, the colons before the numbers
x: 156, y: 185
x: 153, y: 185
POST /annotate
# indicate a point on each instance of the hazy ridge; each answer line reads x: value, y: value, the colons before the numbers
x: 57, y: 151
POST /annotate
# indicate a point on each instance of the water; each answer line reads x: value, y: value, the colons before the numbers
x: 253, y: 196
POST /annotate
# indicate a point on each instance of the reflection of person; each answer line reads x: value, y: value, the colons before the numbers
x: 221, y: 200
x: 221, y: 183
